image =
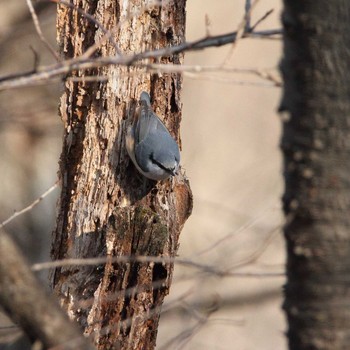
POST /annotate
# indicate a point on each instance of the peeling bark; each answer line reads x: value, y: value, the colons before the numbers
x: 106, y: 207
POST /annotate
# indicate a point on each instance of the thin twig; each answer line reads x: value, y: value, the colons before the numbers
x: 147, y: 259
x: 181, y: 339
x: 29, y: 207
x: 62, y: 68
x: 230, y: 235
x: 242, y: 29
x: 260, y: 250
x: 247, y: 9
x: 230, y: 80
x: 267, y: 14
x: 207, y: 25
x: 39, y: 31
x: 268, y: 76
x: 195, y: 72
x: 36, y: 59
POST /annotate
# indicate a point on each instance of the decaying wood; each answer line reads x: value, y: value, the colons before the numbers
x: 106, y: 207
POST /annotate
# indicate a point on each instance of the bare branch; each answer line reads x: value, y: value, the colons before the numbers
x: 39, y: 31
x: 242, y: 29
x: 62, y: 68
x: 230, y: 235
x: 29, y: 207
x: 148, y: 259
x: 207, y: 25
x: 196, y: 72
x: 28, y: 304
x: 36, y: 59
x: 248, y: 7
x: 267, y: 14
x: 230, y: 80
x: 260, y: 250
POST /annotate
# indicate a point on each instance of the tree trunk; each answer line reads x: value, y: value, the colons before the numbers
x: 317, y: 168
x: 106, y: 207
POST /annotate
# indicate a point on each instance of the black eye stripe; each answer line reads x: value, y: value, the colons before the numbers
x: 170, y: 171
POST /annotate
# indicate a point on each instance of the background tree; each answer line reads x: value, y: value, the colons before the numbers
x: 316, y: 168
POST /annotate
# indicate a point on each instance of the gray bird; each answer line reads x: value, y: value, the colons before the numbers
x: 150, y: 146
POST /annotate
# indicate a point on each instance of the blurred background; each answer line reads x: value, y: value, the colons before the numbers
x: 230, y: 152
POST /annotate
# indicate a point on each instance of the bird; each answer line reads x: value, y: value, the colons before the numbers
x: 149, y: 144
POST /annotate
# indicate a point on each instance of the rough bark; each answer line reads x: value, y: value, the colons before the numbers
x: 106, y: 207
x: 316, y: 167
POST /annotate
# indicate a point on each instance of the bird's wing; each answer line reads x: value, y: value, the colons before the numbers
x: 148, y: 124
